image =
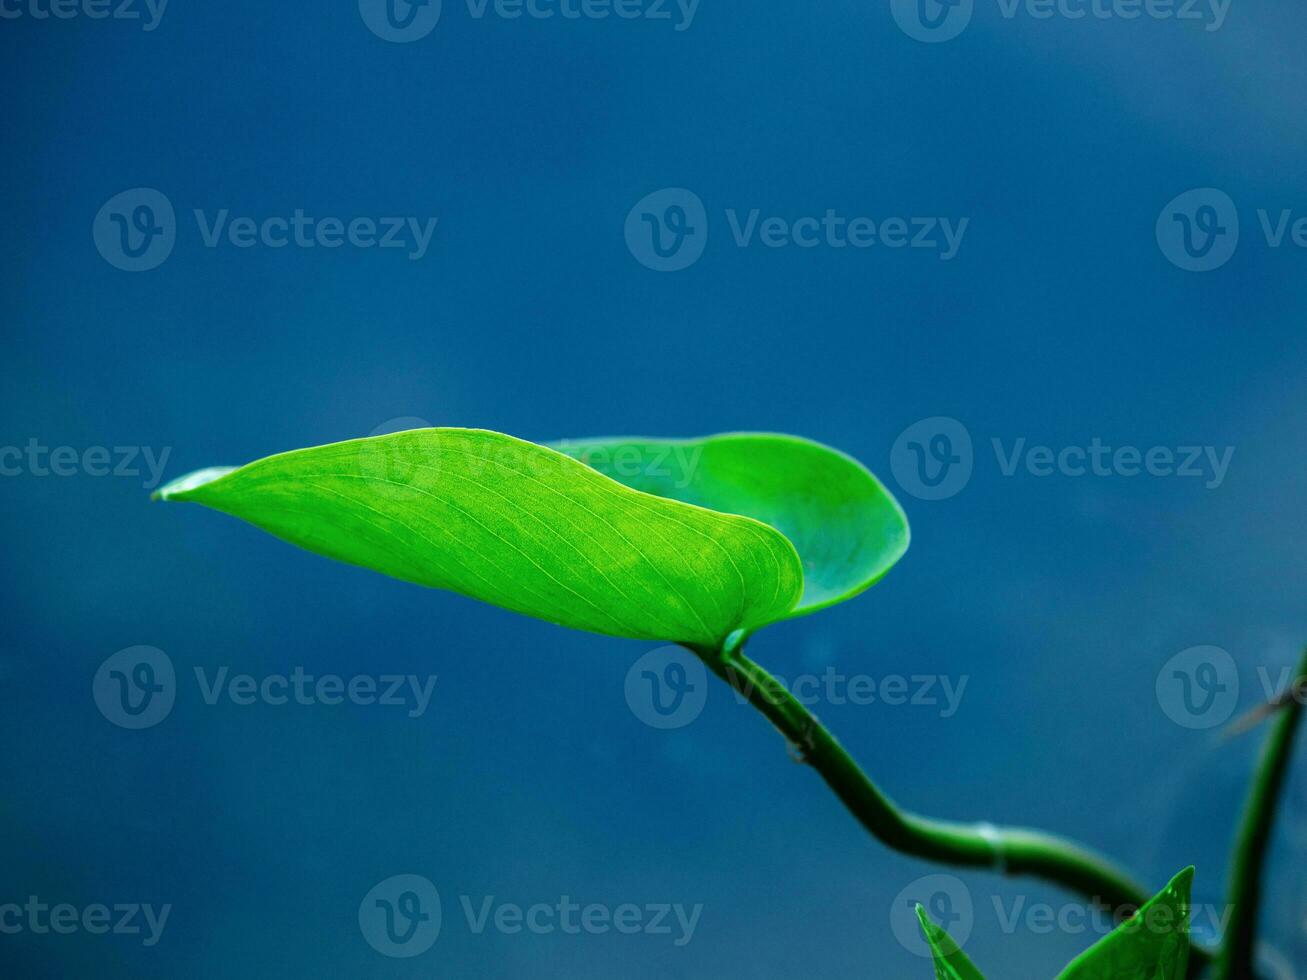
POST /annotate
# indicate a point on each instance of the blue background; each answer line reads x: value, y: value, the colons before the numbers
x: 530, y: 777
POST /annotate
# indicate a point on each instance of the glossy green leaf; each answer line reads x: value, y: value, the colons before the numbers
x: 1151, y: 945
x: 518, y: 525
x: 847, y: 528
x: 950, y: 962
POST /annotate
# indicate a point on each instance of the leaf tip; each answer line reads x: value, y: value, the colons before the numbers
x: 183, y: 486
x: 1184, y: 880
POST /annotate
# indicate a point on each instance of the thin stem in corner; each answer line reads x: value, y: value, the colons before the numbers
x: 1248, y: 871
x: 1003, y: 849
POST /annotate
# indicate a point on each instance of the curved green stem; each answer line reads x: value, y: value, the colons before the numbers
x: 1246, y: 880
x: 1003, y: 849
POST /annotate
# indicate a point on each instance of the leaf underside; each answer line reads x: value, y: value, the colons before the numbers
x: 518, y: 525
x: 847, y: 528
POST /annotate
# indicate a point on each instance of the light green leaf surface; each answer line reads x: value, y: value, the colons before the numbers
x: 950, y: 962
x: 847, y: 528
x: 1151, y: 945
x: 518, y: 525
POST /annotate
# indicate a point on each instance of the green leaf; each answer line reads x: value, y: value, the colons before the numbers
x: 950, y: 962
x: 847, y: 528
x: 1151, y: 945
x: 518, y: 525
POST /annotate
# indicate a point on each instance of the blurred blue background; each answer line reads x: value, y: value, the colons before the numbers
x: 530, y: 777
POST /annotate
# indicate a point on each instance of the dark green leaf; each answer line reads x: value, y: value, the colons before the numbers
x: 950, y: 962
x: 1151, y: 945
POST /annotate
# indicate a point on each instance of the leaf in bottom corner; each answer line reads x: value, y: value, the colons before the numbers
x: 1151, y: 945
x: 950, y: 962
